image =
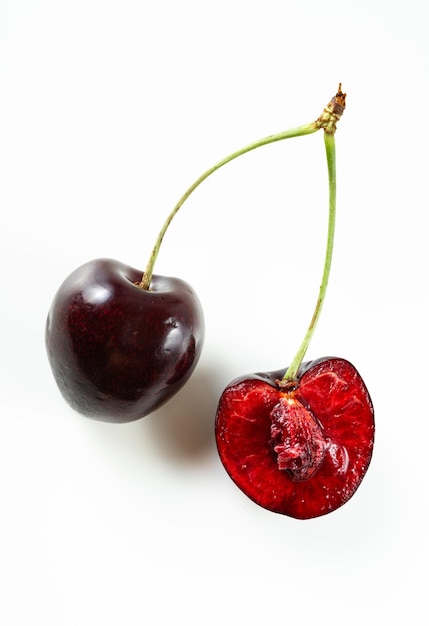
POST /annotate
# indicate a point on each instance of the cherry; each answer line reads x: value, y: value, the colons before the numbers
x: 119, y: 351
x: 299, y: 443
x: 302, y: 447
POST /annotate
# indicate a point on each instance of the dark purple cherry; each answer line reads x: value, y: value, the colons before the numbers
x: 118, y: 351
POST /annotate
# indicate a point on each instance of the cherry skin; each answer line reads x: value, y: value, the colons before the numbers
x: 297, y: 448
x: 117, y: 351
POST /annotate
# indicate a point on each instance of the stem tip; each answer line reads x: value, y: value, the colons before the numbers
x: 332, y: 112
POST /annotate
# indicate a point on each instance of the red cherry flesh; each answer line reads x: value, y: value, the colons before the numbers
x: 300, y: 449
x: 117, y: 351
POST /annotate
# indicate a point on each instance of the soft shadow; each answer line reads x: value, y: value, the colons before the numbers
x: 183, y: 429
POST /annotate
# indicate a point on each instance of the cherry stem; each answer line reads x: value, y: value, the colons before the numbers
x: 306, y: 129
x: 328, y: 121
x: 292, y: 371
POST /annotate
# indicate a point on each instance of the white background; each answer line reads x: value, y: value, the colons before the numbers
x: 108, y: 111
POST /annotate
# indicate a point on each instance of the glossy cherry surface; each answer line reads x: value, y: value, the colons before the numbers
x: 301, y: 449
x: 117, y: 351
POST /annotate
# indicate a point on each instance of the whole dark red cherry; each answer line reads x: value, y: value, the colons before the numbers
x: 302, y: 447
x: 117, y: 351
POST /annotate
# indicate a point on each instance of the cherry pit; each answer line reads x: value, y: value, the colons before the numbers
x: 121, y: 342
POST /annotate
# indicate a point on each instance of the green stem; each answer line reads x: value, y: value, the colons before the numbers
x: 306, y: 129
x: 292, y: 372
x: 328, y: 121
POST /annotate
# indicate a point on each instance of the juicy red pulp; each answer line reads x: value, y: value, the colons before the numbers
x: 300, y: 452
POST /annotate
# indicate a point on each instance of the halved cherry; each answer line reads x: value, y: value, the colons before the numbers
x: 300, y: 448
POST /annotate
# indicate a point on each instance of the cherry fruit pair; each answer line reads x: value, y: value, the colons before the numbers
x: 122, y: 342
